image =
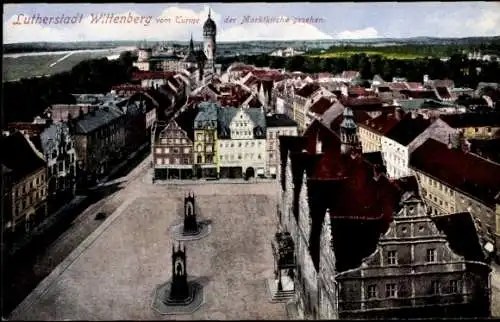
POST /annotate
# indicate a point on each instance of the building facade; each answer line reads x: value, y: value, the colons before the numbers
x: 27, y: 205
x: 242, y: 142
x: 276, y: 126
x: 453, y: 181
x: 99, y: 139
x: 172, y: 147
x: 205, y: 140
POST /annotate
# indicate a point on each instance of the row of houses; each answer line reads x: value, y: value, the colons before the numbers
x: 401, y: 130
x: 208, y: 140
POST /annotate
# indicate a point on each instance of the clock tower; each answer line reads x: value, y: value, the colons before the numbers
x: 209, y: 42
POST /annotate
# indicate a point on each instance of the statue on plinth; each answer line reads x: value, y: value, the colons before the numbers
x: 190, y: 221
x: 179, y: 290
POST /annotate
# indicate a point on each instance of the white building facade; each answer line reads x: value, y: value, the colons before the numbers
x: 242, y: 142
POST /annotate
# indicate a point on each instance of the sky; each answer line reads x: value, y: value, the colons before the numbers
x: 240, y: 22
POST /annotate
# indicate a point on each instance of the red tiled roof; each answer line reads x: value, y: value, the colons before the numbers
x: 321, y: 105
x: 414, y: 85
x: 151, y: 75
x: 324, y: 75
x: 307, y: 90
x: 242, y: 68
x: 359, y: 91
x: 251, y: 80
x: 420, y: 94
x: 360, y: 102
x: 408, y: 128
x: 28, y: 127
x: 381, y: 124
x: 466, y: 172
x: 397, y: 86
x: 360, y: 117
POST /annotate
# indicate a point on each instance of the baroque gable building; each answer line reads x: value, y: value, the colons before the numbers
x: 335, y: 204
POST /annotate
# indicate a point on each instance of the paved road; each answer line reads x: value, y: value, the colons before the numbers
x: 33, y: 270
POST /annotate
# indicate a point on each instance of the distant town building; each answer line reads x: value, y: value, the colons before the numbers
x: 205, y: 140
x: 286, y: 52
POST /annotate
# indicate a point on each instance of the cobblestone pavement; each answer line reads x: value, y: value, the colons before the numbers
x: 129, y: 255
x: 495, y: 290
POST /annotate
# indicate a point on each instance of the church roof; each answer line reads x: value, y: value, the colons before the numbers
x: 209, y: 25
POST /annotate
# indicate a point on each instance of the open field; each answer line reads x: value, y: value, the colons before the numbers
x: 17, y: 66
x: 345, y: 54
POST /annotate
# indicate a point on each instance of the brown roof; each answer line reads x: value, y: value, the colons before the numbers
x: 414, y: 85
x: 406, y: 130
x: 321, y: 105
x: 430, y: 94
x: 361, y: 102
x: 151, y: 75
x: 307, y: 90
x: 381, y: 124
x: 19, y: 156
x: 397, y: 86
x: 464, y: 120
x: 27, y: 127
x: 465, y: 172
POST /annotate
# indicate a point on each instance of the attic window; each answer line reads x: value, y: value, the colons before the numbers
x: 404, y: 229
x: 420, y: 228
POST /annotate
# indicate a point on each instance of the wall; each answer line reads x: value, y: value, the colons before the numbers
x: 439, y: 197
x: 272, y: 146
x: 242, y: 153
x: 370, y: 141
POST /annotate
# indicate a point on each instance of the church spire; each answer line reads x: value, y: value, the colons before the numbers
x: 191, y: 44
x: 209, y: 12
x: 348, y: 132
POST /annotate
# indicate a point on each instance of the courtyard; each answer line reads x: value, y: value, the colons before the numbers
x: 113, y: 274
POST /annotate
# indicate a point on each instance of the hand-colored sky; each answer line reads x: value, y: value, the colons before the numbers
x: 337, y: 21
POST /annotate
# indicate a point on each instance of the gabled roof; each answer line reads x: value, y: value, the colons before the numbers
x: 408, y: 128
x: 19, y: 155
x: 307, y: 90
x: 461, y: 234
x: 381, y: 124
x: 321, y: 105
x: 185, y: 120
x: 465, y: 172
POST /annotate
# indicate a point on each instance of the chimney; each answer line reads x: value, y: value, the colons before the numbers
x: 319, y: 145
x: 425, y: 116
x: 413, y: 115
x: 398, y: 113
x: 450, y: 143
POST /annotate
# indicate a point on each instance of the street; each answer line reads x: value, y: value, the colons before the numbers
x: 34, y: 266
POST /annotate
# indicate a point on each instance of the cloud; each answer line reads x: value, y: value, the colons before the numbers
x: 281, y: 29
x: 171, y: 24
x: 366, y: 33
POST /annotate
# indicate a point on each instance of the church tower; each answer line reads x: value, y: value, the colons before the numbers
x: 209, y: 42
x: 349, y: 133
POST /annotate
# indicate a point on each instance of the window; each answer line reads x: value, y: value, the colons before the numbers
x: 176, y: 160
x: 239, y: 156
x: 431, y: 255
x: 200, y: 137
x: 186, y: 150
x: 184, y: 141
x: 166, y: 150
x: 392, y: 257
x: 176, y: 150
x: 158, y: 150
x: 166, y: 160
x: 372, y: 291
x: 390, y: 290
x: 435, y: 287
x: 163, y: 141
x: 258, y: 156
x: 453, y: 286
x: 159, y: 161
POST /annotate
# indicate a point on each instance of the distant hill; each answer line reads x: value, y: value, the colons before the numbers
x: 256, y: 46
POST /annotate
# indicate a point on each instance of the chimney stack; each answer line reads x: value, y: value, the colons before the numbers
x: 319, y: 145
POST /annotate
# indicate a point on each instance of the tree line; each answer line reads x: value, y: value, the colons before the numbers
x: 27, y: 98
x: 465, y: 72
